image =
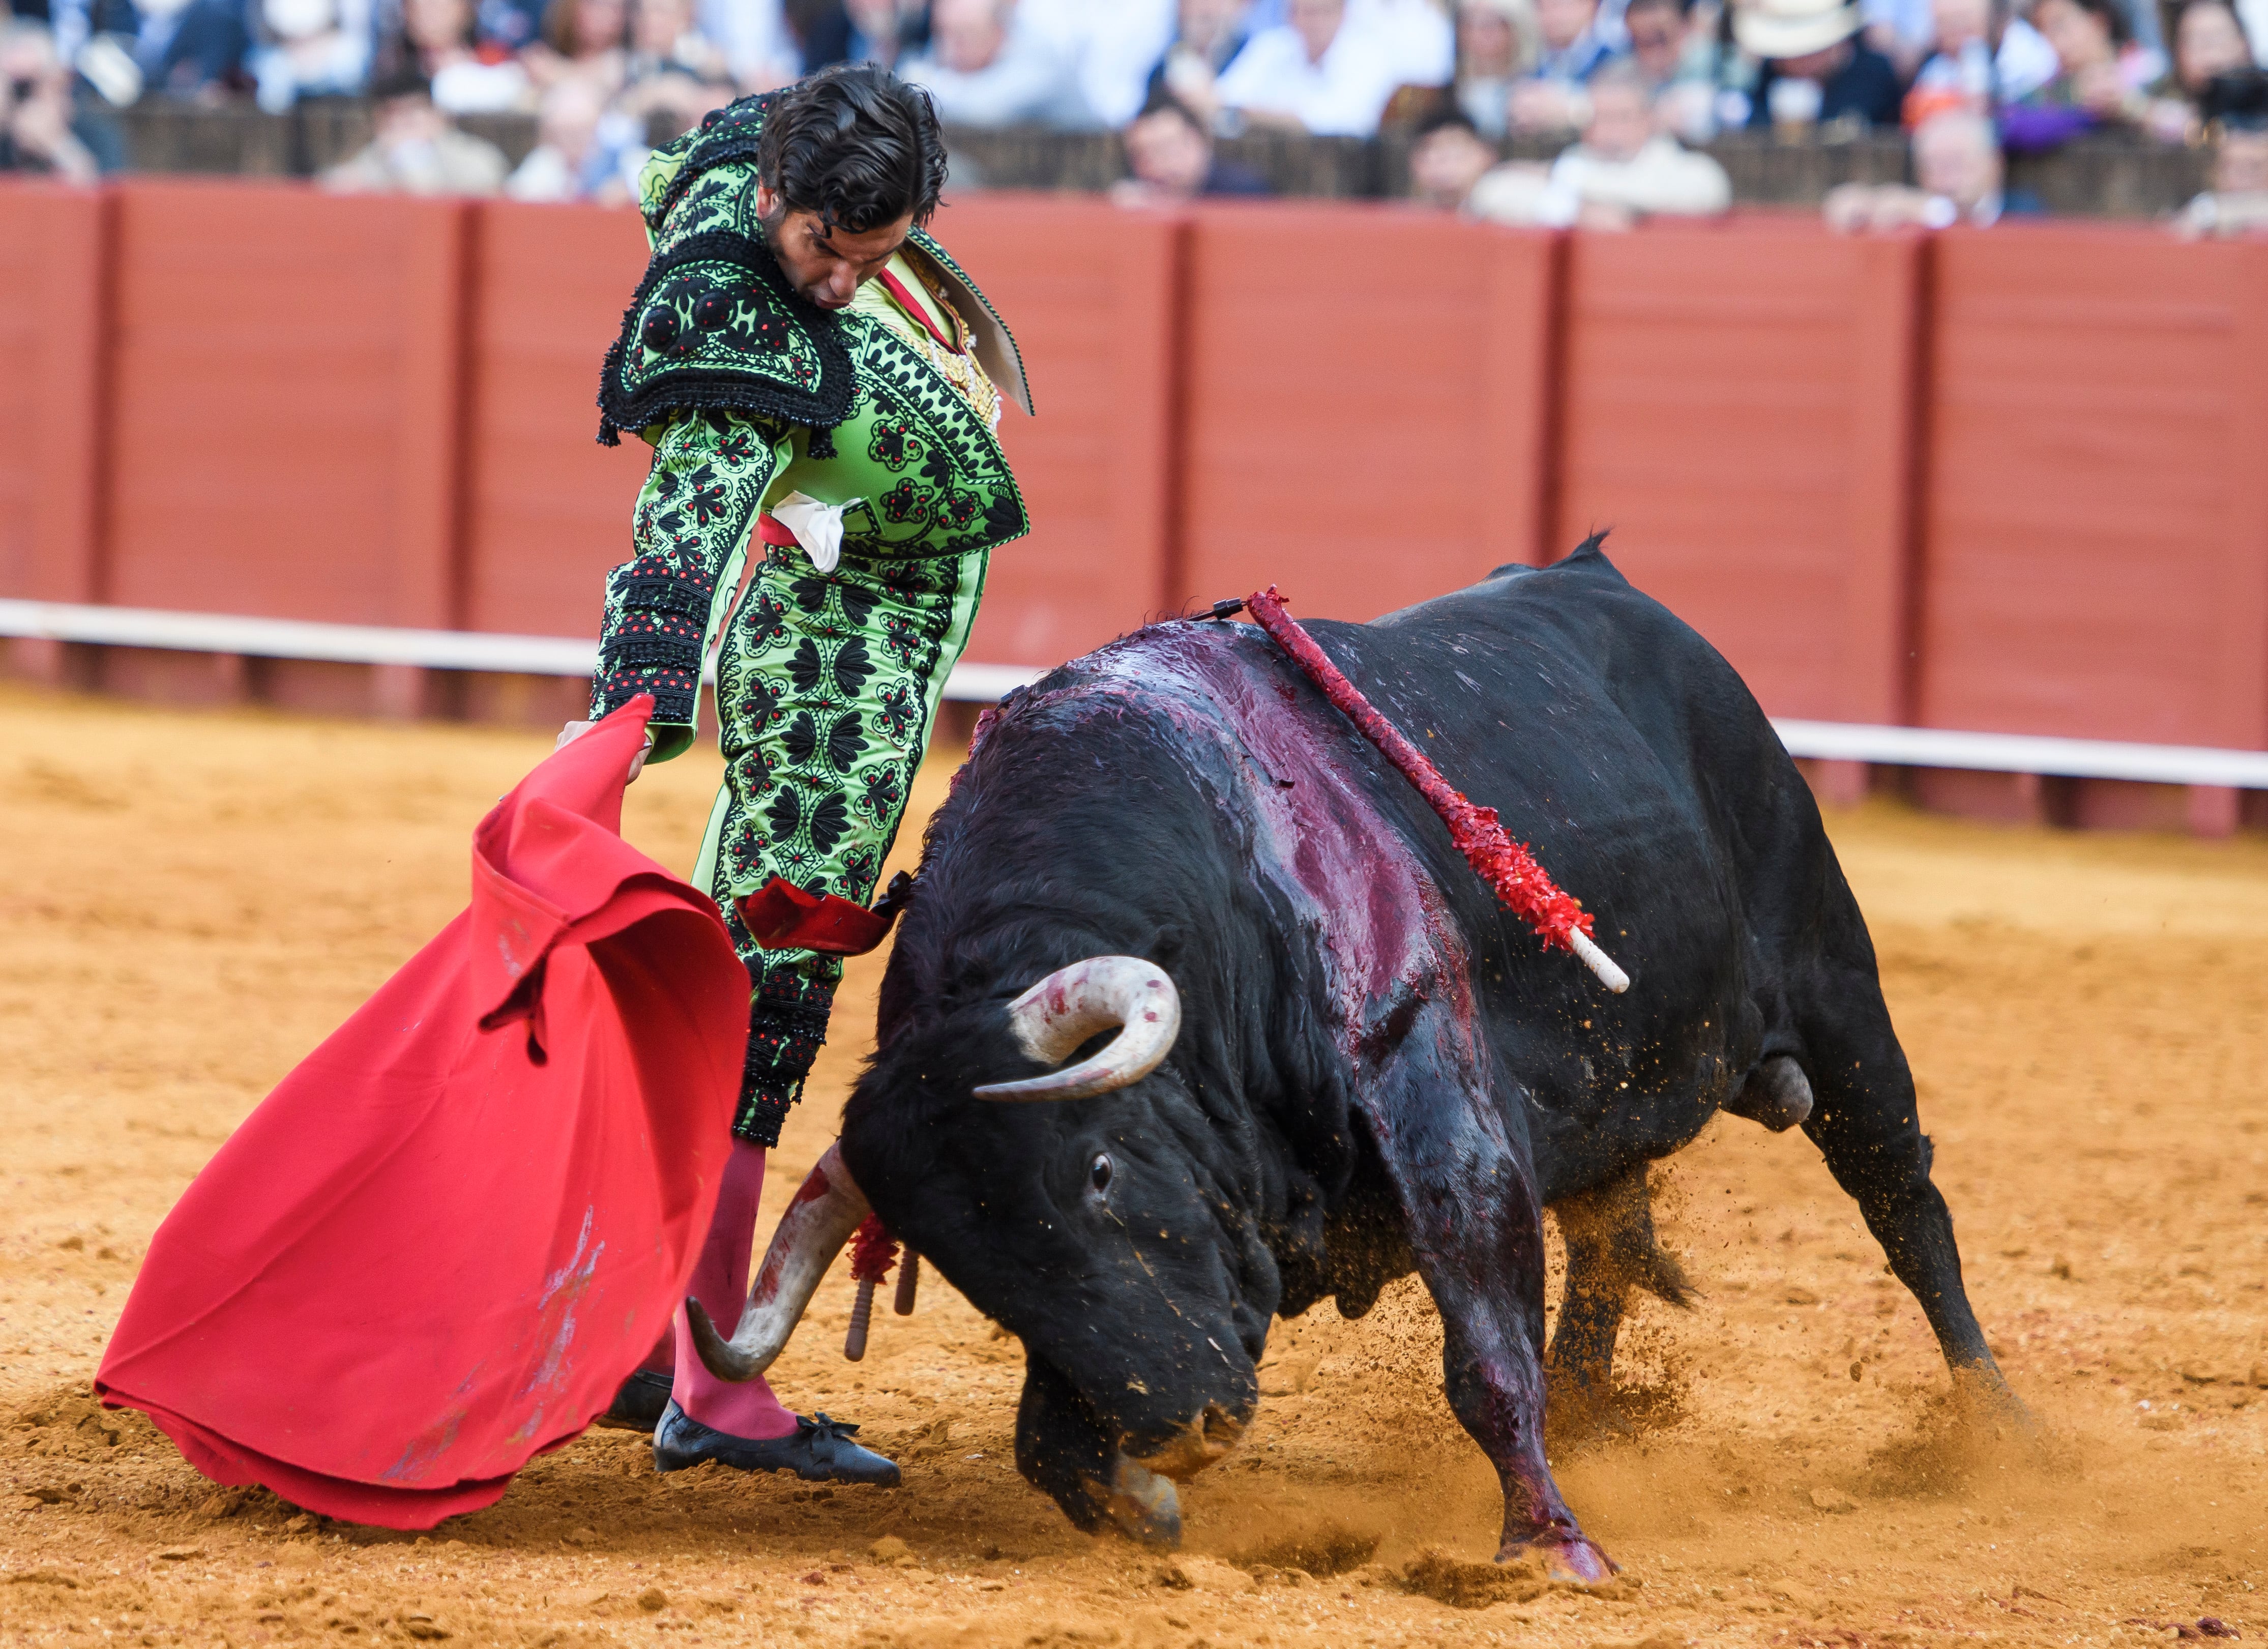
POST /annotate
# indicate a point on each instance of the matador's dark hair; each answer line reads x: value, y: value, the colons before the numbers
x: 855, y: 144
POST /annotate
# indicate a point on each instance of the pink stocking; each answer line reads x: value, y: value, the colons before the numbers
x: 720, y: 1283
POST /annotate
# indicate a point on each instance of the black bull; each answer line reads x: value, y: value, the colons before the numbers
x: 1378, y: 1068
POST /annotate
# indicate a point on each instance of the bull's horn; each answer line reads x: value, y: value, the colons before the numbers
x: 1070, y: 1004
x: 826, y: 1211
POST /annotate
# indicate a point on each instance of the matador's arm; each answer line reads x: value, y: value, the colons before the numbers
x: 711, y: 470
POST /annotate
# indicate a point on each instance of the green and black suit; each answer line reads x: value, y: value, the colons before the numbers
x: 827, y: 679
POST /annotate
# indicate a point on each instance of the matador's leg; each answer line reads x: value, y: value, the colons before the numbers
x: 828, y: 686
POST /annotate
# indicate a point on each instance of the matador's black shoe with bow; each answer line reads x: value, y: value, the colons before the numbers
x: 819, y: 1450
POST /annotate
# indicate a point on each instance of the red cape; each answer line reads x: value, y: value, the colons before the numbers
x: 439, y: 1247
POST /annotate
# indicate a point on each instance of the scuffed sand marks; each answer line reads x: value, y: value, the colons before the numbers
x: 190, y: 902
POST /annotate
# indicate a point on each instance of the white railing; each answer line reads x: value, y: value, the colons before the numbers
x: 374, y: 643
x: 984, y: 683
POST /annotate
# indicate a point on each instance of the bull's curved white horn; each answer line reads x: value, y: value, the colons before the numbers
x: 826, y: 1211
x: 1070, y: 1004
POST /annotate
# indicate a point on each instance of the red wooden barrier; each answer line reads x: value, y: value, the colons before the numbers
x: 1737, y: 408
x: 54, y: 300
x: 284, y: 431
x: 2097, y: 511
x: 547, y: 508
x: 2096, y: 524
x: 255, y: 399
x: 1090, y: 293
x: 1365, y: 414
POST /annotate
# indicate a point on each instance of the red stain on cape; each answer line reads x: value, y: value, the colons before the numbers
x: 1503, y: 864
x: 442, y: 1242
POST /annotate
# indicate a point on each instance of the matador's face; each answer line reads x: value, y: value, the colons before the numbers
x: 825, y: 266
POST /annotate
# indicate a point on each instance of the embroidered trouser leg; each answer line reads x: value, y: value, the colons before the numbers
x: 827, y: 685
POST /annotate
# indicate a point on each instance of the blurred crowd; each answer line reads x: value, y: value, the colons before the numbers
x: 1625, y: 89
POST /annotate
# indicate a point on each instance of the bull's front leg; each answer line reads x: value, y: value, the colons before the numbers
x: 1477, y: 1229
x: 1487, y: 1277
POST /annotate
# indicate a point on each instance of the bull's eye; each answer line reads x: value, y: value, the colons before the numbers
x: 1099, y: 1172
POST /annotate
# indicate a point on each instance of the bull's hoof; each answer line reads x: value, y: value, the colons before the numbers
x: 1142, y: 1506
x: 1994, y: 1421
x: 1572, y: 1561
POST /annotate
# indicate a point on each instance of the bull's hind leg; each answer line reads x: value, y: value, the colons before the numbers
x: 1868, y: 1126
x: 1609, y: 1231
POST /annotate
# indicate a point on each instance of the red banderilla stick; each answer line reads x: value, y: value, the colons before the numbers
x: 1503, y: 864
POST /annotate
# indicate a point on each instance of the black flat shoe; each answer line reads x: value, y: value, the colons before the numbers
x: 819, y: 1450
x: 638, y: 1402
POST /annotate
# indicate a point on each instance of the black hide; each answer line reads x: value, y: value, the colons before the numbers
x: 1378, y: 1068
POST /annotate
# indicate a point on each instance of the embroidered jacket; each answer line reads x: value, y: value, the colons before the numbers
x: 748, y: 392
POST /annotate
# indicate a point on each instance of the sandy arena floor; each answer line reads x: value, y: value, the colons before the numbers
x: 189, y: 903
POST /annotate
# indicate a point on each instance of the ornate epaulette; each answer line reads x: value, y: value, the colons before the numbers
x: 714, y: 324
x: 732, y: 133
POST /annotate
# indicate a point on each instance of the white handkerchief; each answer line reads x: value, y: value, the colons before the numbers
x: 817, y: 527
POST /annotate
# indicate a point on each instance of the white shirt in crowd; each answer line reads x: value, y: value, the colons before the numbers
x: 1032, y: 81
x: 1411, y: 42
x: 1343, y: 95
x: 753, y: 35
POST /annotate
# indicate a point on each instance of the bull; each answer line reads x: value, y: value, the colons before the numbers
x: 1196, y: 1018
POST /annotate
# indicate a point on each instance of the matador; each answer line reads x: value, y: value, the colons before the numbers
x: 820, y: 383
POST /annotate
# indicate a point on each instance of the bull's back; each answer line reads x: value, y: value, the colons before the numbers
x: 1615, y: 740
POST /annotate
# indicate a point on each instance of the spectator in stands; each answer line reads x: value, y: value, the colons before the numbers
x: 1314, y: 72
x: 437, y: 43
x: 502, y: 27
x: 586, y: 40
x: 1553, y: 96
x: 1818, y: 70
x: 884, y: 31
x: 1170, y: 153
x: 2102, y: 80
x: 1676, y: 53
x: 1207, y: 36
x: 2235, y: 108
x: 819, y: 30
x: 759, y: 46
x: 2208, y: 42
x: 1497, y: 42
x: 987, y: 65
x: 1957, y: 165
x: 1904, y: 31
x: 672, y: 70
x: 1414, y: 41
x: 306, y: 48
x: 1623, y: 170
x: 584, y: 152
x: 1987, y: 58
x: 40, y: 129
x: 1448, y: 157
x: 417, y: 148
x: 194, y: 50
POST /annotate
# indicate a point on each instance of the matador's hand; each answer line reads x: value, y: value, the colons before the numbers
x: 575, y: 730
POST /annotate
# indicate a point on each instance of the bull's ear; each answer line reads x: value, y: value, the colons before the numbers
x: 1073, y: 1004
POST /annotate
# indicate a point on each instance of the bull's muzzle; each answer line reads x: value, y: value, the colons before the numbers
x: 1203, y: 1439
x: 1140, y: 1498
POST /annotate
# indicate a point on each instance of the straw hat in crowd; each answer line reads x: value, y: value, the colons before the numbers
x: 1794, y: 28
